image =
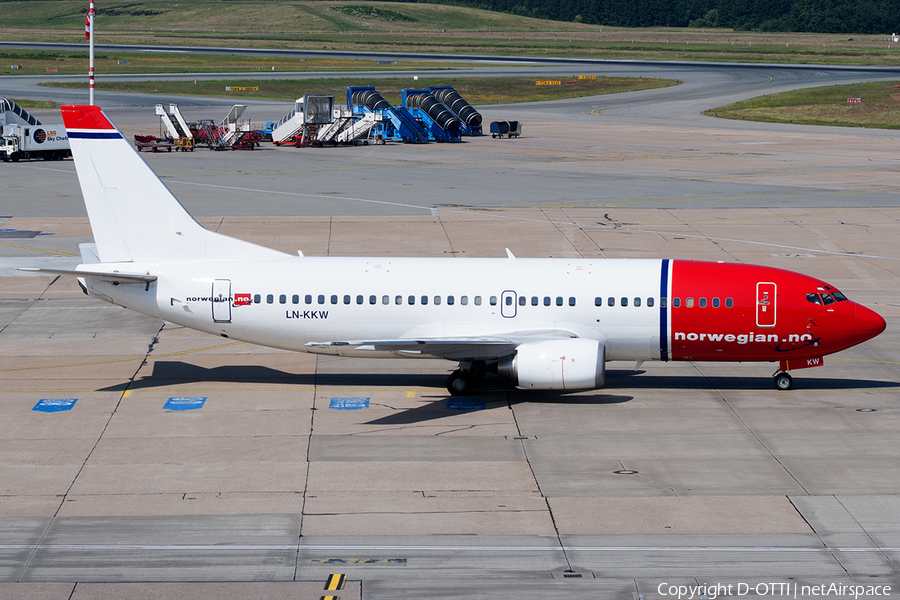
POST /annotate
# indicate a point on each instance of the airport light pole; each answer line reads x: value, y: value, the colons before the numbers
x: 89, y: 34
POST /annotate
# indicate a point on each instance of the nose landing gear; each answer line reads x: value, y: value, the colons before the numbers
x: 783, y: 381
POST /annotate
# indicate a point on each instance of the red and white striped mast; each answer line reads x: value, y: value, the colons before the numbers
x: 89, y: 34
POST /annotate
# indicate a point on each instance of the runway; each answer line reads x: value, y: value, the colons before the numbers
x: 674, y: 474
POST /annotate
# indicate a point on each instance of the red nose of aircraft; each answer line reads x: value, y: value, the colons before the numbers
x: 868, y: 324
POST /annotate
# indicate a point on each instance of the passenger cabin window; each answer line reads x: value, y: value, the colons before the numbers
x: 477, y: 300
x: 716, y: 303
x: 270, y: 299
x: 522, y: 301
x: 437, y: 299
x: 373, y: 299
x: 650, y: 302
x: 385, y: 299
x: 509, y: 300
x: 729, y: 302
x: 424, y: 299
x: 611, y: 301
x: 702, y: 302
x: 257, y: 298
x: 295, y: 299
x: 493, y: 300
x: 346, y: 298
x: 308, y: 299
x: 663, y: 302
x: 559, y: 301
x: 676, y: 302
x: 535, y: 301
x: 360, y: 299
x: 464, y: 300
x: 598, y: 301
x: 411, y: 300
x: 398, y: 299
x: 321, y: 298
x: 571, y: 300
x: 334, y: 299
x: 689, y: 303
x: 624, y: 301
x: 637, y: 301
x: 450, y: 300
x: 547, y: 301
x: 282, y: 299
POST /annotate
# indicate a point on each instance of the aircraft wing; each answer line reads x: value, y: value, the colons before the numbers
x: 461, y: 348
x: 106, y: 276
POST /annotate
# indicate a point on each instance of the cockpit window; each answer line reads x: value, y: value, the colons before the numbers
x: 839, y: 296
x: 828, y: 299
x: 814, y: 298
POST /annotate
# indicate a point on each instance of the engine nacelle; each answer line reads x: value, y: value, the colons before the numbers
x: 570, y: 364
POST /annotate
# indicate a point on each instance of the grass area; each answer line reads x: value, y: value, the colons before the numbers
x: 475, y: 90
x: 406, y: 26
x: 880, y: 106
x: 37, y: 62
x: 35, y: 103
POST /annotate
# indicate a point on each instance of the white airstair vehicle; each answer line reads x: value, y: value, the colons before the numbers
x: 360, y: 128
x: 309, y: 114
x: 174, y: 123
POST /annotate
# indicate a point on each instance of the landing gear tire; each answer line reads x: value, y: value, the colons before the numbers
x: 459, y: 383
x: 783, y: 381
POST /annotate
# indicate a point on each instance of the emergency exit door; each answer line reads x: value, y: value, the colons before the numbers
x: 765, y: 304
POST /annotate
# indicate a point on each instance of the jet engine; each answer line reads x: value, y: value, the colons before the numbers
x: 568, y: 364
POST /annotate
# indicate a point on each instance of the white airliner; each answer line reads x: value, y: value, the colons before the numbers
x: 538, y: 323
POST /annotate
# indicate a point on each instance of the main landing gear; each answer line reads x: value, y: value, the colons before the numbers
x: 783, y: 381
x: 462, y: 381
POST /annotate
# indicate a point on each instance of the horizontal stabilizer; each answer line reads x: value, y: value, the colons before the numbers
x: 113, y: 277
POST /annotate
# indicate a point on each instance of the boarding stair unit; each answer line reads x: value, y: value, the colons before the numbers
x: 173, y: 122
x: 300, y: 127
x: 469, y: 117
x: 440, y: 122
x: 360, y: 128
x: 397, y: 123
x: 341, y: 118
x: 229, y: 130
x: 13, y: 114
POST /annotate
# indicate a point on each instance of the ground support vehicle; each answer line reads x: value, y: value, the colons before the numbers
x: 23, y: 142
x: 151, y: 142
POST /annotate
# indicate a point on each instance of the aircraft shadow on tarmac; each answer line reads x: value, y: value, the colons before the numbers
x: 641, y: 380
x: 445, y: 405
x: 167, y: 373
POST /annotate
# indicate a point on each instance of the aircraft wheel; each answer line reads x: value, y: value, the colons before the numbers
x: 783, y: 381
x: 459, y: 383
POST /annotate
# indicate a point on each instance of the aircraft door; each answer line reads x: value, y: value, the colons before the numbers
x: 221, y: 301
x: 765, y: 304
x: 508, y: 305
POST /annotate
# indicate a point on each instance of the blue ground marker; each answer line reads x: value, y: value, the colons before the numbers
x: 466, y: 404
x: 185, y: 403
x: 349, y: 403
x: 55, y: 405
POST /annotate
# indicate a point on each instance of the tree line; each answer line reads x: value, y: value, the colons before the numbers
x: 817, y: 16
